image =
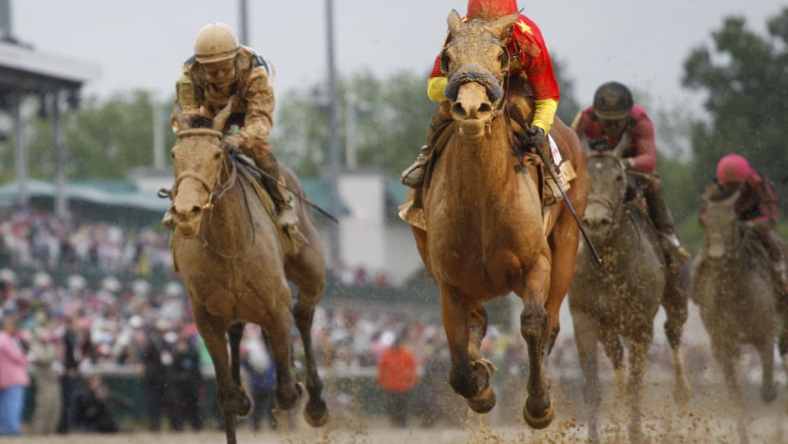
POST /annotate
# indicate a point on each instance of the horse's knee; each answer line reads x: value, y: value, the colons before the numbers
x: 533, y: 320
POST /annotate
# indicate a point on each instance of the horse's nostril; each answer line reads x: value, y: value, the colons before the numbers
x: 485, y: 108
x: 196, y: 209
x: 458, y: 109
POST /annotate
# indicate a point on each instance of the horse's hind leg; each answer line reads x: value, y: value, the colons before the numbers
x: 766, y: 353
x: 236, y: 333
x: 538, y: 411
x: 231, y: 401
x: 586, y: 338
x: 316, y: 412
x: 676, y: 305
x: 287, y: 391
x: 468, y: 381
x: 308, y: 273
x: 726, y: 355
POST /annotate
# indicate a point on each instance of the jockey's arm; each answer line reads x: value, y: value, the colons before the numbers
x: 644, y: 140
x: 258, y: 120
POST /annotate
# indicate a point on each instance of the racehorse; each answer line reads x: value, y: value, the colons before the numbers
x: 235, y: 263
x: 486, y: 234
x: 620, y: 300
x: 736, y: 294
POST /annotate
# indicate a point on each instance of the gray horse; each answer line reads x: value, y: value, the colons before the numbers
x: 620, y: 299
x: 734, y: 289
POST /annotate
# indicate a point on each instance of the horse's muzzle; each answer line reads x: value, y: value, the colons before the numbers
x: 478, y: 75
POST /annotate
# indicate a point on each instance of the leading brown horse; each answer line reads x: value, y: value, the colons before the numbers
x: 235, y: 263
x: 486, y: 232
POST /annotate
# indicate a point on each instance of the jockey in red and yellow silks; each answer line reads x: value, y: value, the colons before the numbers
x: 530, y: 60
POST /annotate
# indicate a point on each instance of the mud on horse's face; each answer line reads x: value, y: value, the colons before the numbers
x: 609, y: 184
x: 475, y: 60
x: 719, y: 222
x: 198, y: 159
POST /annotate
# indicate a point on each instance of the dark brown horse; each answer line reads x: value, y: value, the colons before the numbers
x: 620, y: 300
x: 235, y: 263
x: 486, y: 232
x: 732, y: 285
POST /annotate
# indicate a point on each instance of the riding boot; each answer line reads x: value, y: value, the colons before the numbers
x: 413, y: 176
x: 284, y: 201
x: 774, y: 248
x: 662, y: 218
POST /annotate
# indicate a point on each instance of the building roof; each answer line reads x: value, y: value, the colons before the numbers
x: 22, y: 68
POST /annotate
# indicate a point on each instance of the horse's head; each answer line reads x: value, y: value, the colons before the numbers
x: 197, y: 157
x: 609, y: 183
x: 475, y: 60
x: 719, y: 221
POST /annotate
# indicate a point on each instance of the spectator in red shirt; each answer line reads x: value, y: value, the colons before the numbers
x: 756, y: 206
x: 603, y: 126
x: 397, y: 376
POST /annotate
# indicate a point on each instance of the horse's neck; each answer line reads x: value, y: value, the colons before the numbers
x: 628, y: 239
x: 227, y: 224
x: 484, y: 165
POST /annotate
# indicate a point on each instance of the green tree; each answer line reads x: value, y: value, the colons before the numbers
x: 743, y: 76
x: 104, y: 138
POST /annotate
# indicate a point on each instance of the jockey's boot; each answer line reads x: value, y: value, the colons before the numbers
x: 663, y: 221
x: 413, y: 176
x: 284, y: 200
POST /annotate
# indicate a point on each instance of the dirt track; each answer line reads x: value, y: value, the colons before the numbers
x: 708, y: 421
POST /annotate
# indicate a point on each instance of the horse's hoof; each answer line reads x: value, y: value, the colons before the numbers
x: 484, y: 402
x: 538, y: 415
x: 237, y: 403
x: 316, y: 413
x: 287, y: 399
x: 769, y: 393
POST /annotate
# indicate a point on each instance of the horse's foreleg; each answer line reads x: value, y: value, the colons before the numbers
x: 538, y: 411
x: 676, y: 305
x: 614, y: 350
x: 236, y: 333
x: 726, y: 356
x: 455, y: 315
x: 766, y: 353
x: 637, y: 372
x: 564, y: 241
x: 232, y: 402
x: 586, y: 338
x: 477, y: 329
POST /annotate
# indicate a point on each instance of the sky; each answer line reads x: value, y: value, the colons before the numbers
x: 142, y: 43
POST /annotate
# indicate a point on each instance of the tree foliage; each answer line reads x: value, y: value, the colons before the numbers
x: 743, y: 75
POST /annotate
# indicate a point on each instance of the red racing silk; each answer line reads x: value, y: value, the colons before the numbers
x: 643, y: 148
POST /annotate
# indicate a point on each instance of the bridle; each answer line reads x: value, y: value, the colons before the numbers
x: 216, y: 191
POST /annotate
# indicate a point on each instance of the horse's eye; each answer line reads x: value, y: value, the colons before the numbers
x: 620, y: 178
x: 217, y: 155
x: 172, y: 154
x: 445, y: 62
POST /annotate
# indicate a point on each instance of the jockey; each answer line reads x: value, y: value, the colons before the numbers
x: 530, y: 63
x: 600, y: 127
x: 219, y: 70
x: 757, y: 207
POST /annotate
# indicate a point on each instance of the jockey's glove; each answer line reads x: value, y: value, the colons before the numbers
x: 536, y: 137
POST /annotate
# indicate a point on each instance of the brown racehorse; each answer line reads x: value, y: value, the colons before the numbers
x: 235, y: 263
x: 484, y: 219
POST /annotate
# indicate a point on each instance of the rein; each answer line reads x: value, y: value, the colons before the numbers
x: 216, y: 193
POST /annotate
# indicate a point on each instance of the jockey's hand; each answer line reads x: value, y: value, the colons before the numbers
x: 536, y: 137
x: 233, y: 141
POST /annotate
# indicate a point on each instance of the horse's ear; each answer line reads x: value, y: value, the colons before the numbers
x: 221, y: 118
x: 501, y: 25
x: 455, y: 21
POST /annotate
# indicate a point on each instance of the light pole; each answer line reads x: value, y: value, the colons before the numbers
x: 333, y: 131
x: 243, y: 19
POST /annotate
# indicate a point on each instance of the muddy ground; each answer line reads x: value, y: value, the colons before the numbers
x: 709, y: 418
